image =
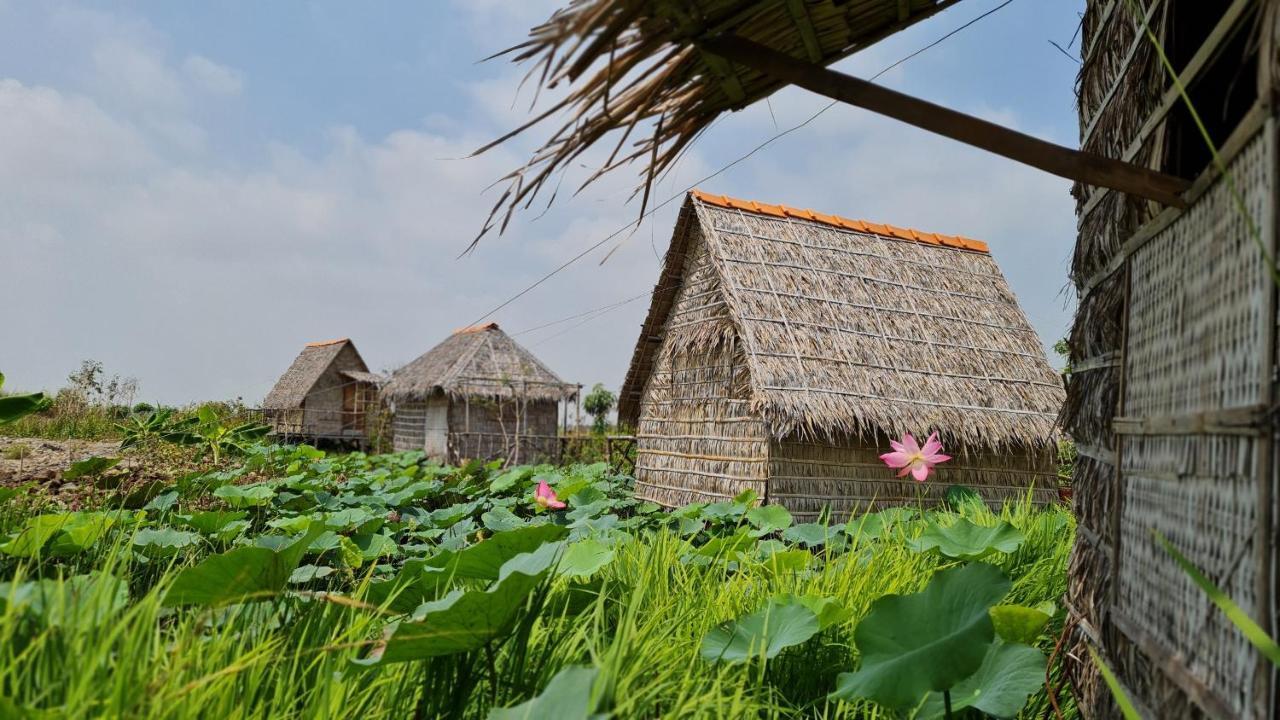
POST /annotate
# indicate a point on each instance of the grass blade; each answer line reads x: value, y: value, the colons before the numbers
x: 1238, y: 617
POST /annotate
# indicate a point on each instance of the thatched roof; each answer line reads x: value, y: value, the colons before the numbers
x: 479, y: 360
x: 634, y: 62
x: 292, y: 387
x: 855, y: 328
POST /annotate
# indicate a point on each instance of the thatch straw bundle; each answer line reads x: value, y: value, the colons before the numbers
x: 635, y: 62
x: 479, y: 361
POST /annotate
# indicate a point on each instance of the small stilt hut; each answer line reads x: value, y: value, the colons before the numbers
x: 326, y: 394
x: 478, y: 394
x: 784, y: 347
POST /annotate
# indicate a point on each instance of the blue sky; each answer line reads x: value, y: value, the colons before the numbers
x: 189, y: 192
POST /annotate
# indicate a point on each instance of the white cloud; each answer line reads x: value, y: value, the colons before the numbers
x: 212, y: 77
x: 134, y: 248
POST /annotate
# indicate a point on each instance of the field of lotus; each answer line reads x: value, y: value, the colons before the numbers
x: 290, y: 583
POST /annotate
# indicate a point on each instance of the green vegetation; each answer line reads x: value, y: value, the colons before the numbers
x: 598, y: 403
x: 293, y: 583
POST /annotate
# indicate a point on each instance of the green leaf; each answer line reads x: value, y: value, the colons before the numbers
x: 81, y: 601
x: 245, y: 573
x: 83, y: 532
x: 466, y: 620
x: 510, y: 479
x: 966, y: 541
x: 766, y: 632
x: 244, y: 496
x: 309, y: 573
x: 375, y: 546
x: 927, y: 641
x: 35, y: 534
x: 569, y: 696
x: 1018, y: 624
x: 14, y: 407
x: 788, y: 561
x: 1010, y: 674
x: 584, y: 558
x: 485, y: 559
x: 1238, y: 617
x: 163, y: 542
x: 877, y: 524
x: 501, y: 519
x: 829, y: 611
x: 960, y: 495
x: 210, y: 521
x: 808, y: 534
x: 89, y: 467
x: 768, y: 519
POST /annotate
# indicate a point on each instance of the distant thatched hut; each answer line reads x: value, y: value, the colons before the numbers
x: 783, y: 347
x: 326, y: 393
x: 478, y: 394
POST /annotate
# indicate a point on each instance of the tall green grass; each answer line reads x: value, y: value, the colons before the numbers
x: 290, y: 657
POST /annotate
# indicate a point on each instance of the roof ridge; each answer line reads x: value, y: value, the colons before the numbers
x: 956, y: 242
x: 322, y: 343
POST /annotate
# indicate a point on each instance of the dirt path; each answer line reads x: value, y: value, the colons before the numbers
x: 44, y: 460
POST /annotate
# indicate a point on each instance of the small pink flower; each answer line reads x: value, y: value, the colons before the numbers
x: 546, y: 497
x: 911, y: 458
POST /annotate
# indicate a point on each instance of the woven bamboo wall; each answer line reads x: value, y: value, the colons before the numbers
x: 510, y: 429
x: 1172, y: 353
x: 850, y: 477
x: 697, y: 439
x: 408, y: 426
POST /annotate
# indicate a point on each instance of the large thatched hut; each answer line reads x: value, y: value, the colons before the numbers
x: 326, y: 394
x: 783, y: 347
x: 1172, y: 398
x: 478, y: 394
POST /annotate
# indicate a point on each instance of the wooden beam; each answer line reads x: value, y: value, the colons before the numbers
x: 800, y: 17
x: 1231, y: 421
x: 1088, y: 168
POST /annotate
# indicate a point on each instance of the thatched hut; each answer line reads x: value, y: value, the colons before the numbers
x: 1172, y: 395
x: 784, y: 347
x: 326, y: 394
x: 478, y: 394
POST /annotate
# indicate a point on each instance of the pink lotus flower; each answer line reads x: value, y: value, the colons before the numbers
x: 912, y: 458
x: 546, y: 497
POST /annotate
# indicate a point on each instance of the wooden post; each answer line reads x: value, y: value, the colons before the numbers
x: 1085, y: 167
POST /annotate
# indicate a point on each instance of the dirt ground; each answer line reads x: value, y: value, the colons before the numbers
x: 45, y: 460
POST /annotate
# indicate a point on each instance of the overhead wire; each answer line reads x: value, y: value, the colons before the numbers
x: 654, y: 209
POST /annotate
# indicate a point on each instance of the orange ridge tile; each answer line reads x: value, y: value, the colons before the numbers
x: 783, y: 211
x: 476, y: 328
x: 322, y: 343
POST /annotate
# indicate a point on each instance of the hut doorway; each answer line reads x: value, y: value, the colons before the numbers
x: 436, y: 427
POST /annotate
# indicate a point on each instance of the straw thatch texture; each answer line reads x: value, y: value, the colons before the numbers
x: 1174, y: 353
x: 478, y: 394
x: 636, y: 62
x: 783, y: 346
x: 697, y: 439
x: 293, y: 386
x: 482, y: 361
x: 309, y: 398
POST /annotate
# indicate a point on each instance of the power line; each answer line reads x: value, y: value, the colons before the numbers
x: 681, y: 194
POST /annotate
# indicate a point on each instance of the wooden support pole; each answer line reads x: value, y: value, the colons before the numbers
x: 1085, y: 167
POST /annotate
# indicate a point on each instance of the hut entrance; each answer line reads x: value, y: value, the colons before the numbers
x: 436, y: 427
x: 353, y: 403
